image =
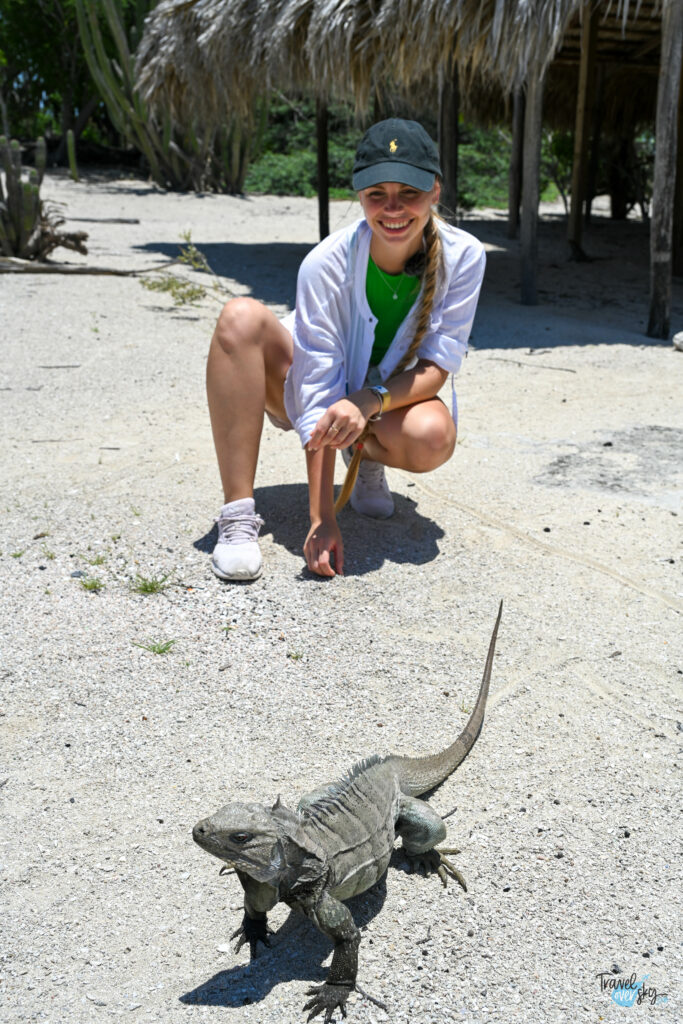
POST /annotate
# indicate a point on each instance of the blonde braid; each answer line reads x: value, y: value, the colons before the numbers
x: 430, y: 278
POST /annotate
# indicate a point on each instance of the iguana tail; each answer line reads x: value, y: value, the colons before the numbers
x: 418, y: 775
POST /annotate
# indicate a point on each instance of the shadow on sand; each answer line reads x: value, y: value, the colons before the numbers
x: 298, y: 952
x: 267, y: 270
x: 408, y: 537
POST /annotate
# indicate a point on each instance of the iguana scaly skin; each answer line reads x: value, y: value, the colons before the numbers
x: 337, y: 844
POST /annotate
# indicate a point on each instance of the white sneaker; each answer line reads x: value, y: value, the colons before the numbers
x: 237, y: 555
x: 370, y: 495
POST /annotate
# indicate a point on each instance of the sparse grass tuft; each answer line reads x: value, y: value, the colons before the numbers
x: 92, y: 583
x: 151, y: 585
x: 157, y: 647
x: 17, y: 554
x: 191, y: 255
x: 295, y: 655
x: 182, y: 292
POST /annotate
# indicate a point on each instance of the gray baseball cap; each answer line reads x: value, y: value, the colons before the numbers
x: 396, y: 150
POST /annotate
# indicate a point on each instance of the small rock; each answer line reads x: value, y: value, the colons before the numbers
x: 97, y: 1000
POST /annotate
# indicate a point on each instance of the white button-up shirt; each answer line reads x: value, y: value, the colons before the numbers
x: 333, y: 326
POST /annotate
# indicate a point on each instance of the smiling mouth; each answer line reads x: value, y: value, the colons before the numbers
x: 397, y: 225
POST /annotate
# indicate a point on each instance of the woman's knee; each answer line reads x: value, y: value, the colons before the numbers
x: 242, y: 321
x: 432, y: 441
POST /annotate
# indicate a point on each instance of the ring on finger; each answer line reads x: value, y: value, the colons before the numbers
x: 334, y: 430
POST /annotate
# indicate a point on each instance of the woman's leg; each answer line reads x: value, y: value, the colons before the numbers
x: 418, y: 437
x: 248, y: 360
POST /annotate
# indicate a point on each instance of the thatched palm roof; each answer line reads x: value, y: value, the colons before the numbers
x: 202, y: 58
x: 208, y: 57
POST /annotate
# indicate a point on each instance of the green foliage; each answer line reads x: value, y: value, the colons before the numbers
x: 179, y: 157
x: 483, y: 161
x: 45, y: 83
x: 283, y: 174
x: 288, y: 165
x: 557, y: 154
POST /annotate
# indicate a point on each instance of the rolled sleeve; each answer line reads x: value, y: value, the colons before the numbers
x: 446, y: 341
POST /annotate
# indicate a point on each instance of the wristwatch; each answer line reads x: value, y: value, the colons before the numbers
x: 384, y: 399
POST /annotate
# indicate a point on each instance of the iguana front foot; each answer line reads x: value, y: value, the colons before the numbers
x: 326, y: 998
x: 252, y: 931
x: 434, y: 860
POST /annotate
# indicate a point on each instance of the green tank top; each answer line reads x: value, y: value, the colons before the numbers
x: 390, y: 297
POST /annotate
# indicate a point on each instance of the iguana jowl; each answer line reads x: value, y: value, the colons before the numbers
x: 337, y: 844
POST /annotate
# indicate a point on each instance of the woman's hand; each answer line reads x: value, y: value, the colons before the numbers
x: 324, y: 548
x: 341, y: 424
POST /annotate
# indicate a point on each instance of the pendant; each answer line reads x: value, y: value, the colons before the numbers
x: 395, y: 295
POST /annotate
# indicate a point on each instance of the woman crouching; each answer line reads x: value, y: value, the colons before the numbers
x: 384, y: 309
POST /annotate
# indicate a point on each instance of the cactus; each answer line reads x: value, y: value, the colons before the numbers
x: 177, y: 158
x: 27, y: 228
x: 71, y: 150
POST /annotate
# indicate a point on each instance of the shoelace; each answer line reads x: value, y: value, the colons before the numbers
x: 371, y: 475
x: 238, y: 529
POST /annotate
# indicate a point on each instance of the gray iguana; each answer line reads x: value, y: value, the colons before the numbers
x: 337, y: 844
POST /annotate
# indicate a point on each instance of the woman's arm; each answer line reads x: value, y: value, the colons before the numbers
x: 323, y: 548
x: 343, y: 422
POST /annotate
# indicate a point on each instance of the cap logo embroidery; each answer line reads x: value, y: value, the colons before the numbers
x: 393, y: 146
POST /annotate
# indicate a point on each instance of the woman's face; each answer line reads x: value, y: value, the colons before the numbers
x: 398, y: 213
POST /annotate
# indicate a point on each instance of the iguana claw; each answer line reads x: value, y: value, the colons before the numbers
x: 434, y: 860
x: 326, y: 998
x: 253, y: 932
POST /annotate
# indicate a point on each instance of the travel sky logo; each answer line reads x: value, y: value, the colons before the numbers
x: 630, y: 991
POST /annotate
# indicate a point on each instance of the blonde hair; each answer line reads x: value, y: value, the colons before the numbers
x: 430, y: 277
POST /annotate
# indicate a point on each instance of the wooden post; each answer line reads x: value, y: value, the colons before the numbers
x: 323, y: 168
x: 589, y: 35
x: 661, y: 225
x: 531, y: 171
x: 594, y: 159
x: 516, y: 157
x: 449, y: 113
x: 678, y: 202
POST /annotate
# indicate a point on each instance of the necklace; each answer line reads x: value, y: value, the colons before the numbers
x: 392, y: 288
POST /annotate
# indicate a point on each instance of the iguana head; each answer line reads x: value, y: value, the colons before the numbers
x: 246, y: 836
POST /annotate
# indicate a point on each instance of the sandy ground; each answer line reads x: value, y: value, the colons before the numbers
x: 563, y: 499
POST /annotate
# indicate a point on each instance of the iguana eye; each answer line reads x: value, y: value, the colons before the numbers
x: 239, y: 838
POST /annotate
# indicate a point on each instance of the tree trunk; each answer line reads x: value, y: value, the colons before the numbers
x: 533, y: 123
x: 661, y: 227
x: 594, y: 161
x: 323, y: 168
x: 516, y: 160
x: 449, y: 113
x: 589, y: 34
x: 678, y: 203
